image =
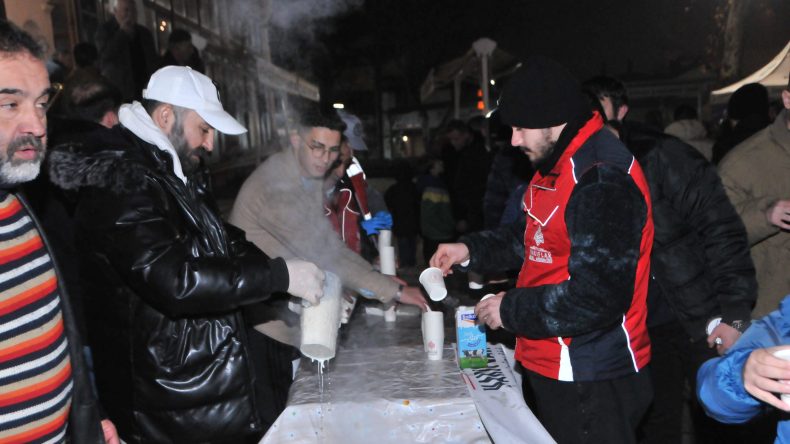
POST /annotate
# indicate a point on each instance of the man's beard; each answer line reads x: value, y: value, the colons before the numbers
x: 546, y: 151
x: 15, y: 171
x: 540, y: 161
x: 189, y: 157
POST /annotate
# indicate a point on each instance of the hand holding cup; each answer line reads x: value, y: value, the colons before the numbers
x: 766, y: 372
x: 447, y: 255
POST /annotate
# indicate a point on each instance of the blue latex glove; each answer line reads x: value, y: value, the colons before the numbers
x: 380, y: 221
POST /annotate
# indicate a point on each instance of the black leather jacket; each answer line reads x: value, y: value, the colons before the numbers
x: 164, y: 279
x: 700, y: 258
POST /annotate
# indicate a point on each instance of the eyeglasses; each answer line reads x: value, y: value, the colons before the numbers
x: 319, y: 150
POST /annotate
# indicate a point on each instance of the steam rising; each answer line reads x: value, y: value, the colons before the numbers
x: 296, y: 29
x: 302, y: 14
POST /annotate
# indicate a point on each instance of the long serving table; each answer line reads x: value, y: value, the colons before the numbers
x: 382, y: 388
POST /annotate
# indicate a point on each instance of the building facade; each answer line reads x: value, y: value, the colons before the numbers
x: 232, y: 37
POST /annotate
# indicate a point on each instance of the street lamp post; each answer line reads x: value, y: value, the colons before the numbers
x: 484, y: 48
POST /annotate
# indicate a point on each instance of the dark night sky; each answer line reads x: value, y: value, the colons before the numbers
x: 659, y: 37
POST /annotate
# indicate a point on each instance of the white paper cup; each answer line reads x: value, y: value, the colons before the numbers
x: 385, y: 238
x: 422, y: 330
x: 387, y: 260
x: 433, y: 334
x: 433, y: 282
x: 320, y: 322
x: 784, y: 354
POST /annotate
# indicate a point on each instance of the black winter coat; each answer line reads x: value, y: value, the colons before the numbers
x: 164, y: 280
x: 84, y: 423
x: 700, y: 258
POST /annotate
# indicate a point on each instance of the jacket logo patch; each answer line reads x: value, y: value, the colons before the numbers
x: 537, y: 254
x: 538, y: 237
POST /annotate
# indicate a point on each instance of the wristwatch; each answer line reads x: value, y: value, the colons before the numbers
x: 740, y: 325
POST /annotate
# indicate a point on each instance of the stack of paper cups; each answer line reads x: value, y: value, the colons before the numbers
x: 385, y: 238
x: 433, y: 334
x: 387, y: 259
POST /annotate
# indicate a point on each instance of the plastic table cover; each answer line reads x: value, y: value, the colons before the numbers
x: 381, y: 388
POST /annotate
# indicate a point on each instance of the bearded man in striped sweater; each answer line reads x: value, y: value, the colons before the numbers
x: 45, y: 394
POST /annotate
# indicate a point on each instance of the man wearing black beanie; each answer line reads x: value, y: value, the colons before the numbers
x: 579, y: 306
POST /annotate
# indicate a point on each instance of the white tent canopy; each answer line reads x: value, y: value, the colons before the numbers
x: 483, y: 61
x: 772, y: 76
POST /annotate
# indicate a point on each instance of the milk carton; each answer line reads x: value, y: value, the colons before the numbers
x: 471, y: 339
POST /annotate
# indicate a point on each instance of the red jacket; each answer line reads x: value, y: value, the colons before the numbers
x: 583, y: 246
x: 549, y: 251
x: 343, y: 212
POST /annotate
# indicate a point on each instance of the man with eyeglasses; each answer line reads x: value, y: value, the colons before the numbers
x: 280, y: 207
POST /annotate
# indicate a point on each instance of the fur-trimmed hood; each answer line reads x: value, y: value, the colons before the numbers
x: 107, y: 169
x: 106, y: 158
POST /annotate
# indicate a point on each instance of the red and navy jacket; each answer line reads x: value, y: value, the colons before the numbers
x: 579, y: 306
x: 343, y: 212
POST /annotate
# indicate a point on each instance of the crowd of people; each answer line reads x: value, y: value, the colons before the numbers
x: 130, y: 309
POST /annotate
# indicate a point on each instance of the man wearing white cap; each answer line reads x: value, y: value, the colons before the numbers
x: 165, y: 279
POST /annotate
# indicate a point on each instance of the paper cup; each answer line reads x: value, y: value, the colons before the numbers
x: 784, y: 354
x: 385, y: 238
x: 433, y: 282
x: 433, y: 334
x: 387, y: 260
x: 320, y: 322
x: 422, y: 330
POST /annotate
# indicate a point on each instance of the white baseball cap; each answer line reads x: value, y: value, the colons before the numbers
x: 181, y: 86
x: 354, y: 131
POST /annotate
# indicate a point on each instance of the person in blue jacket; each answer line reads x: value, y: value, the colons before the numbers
x: 737, y: 386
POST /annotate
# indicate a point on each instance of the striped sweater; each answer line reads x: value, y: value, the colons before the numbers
x: 35, y: 369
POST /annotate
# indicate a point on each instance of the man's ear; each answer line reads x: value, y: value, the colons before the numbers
x: 786, y: 98
x: 621, y: 112
x: 109, y: 119
x: 164, y: 117
x: 295, y: 139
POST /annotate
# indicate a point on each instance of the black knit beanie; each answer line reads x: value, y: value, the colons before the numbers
x: 541, y: 94
x: 749, y: 99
